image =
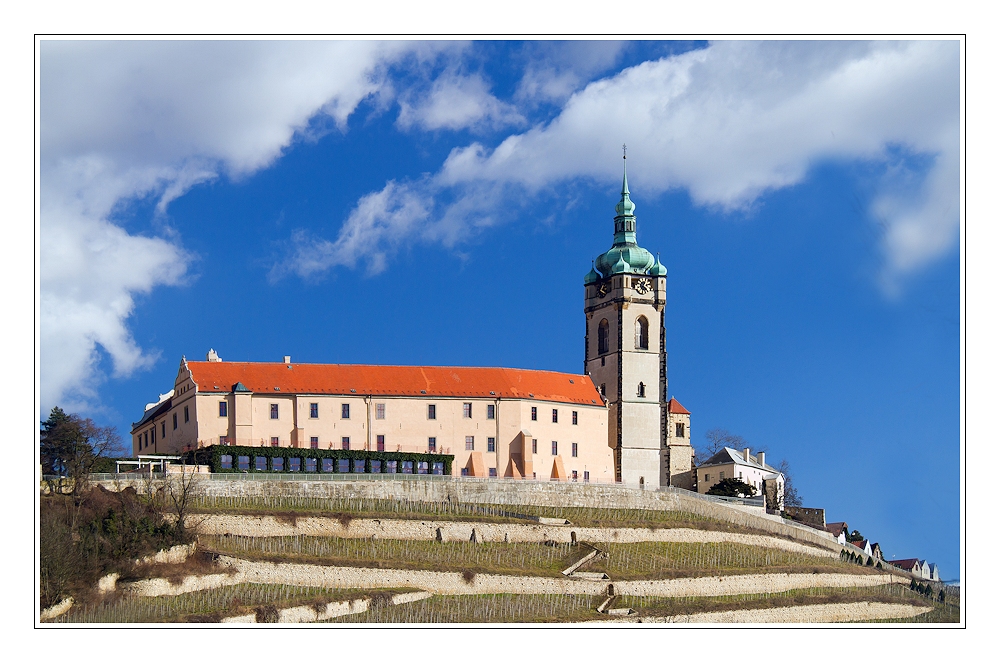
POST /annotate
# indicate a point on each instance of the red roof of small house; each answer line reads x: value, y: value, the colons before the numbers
x: 906, y: 564
x: 674, y: 407
x: 439, y: 381
x: 836, y: 528
x: 859, y: 544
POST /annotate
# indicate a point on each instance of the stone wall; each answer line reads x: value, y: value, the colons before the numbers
x: 366, y: 528
x: 513, y: 493
x: 800, y: 614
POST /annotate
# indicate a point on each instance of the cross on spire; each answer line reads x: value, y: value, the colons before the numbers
x: 624, y: 151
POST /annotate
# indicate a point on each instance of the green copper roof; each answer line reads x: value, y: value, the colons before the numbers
x: 591, y: 277
x: 625, y: 255
x: 658, y: 269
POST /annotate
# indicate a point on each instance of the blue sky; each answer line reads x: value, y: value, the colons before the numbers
x: 440, y: 202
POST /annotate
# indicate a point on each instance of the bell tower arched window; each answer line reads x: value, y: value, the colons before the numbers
x: 602, y: 336
x: 641, y: 333
x: 642, y: 390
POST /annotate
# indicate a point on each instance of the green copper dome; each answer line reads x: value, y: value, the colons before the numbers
x: 658, y: 269
x: 591, y: 277
x: 625, y: 256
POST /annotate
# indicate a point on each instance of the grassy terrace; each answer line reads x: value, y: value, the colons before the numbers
x: 627, y: 561
x: 654, y: 606
x: 208, y: 605
x: 483, y: 609
x: 290, y: 506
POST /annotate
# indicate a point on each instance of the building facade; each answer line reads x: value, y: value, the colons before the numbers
x: 614, y: 423
x: 752, y: 470
x: 496, y: 422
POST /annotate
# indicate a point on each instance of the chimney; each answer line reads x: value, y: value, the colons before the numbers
x: 288, y: 359
x: 760, y: 458
x: 746, y: 454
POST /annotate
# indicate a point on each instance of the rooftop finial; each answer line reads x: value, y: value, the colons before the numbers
x: 624, y: 170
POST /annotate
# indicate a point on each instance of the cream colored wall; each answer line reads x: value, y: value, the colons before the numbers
x: 751, y: 475
x: 406, y: 427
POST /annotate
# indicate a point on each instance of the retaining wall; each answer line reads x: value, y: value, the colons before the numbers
x: 366, y: 528
x: 513, y: 493
x: 800, y: 614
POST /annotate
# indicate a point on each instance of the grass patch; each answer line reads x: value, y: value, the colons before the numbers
x: 654, y: 606
x: 658, y: 560
x: 484, y: 609
x: 209, y: 605
x: 501, y: 558
x: 286, y: 507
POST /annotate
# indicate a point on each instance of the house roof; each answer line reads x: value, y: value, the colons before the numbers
x: 430, y: 381
x: 836, y: 528
x: 906, y: 564
x: 731, y: 456
x: 151, y: 413
x: 674, y: 407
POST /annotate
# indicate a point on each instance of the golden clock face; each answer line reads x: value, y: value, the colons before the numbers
x: 642, y: 286
x: 602, y: 290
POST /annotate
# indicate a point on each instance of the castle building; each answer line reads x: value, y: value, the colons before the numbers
x: 614, y: 423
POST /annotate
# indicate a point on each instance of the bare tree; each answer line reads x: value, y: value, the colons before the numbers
x: 716, y: 440
x: 181, y: 491
x: 791, y: 494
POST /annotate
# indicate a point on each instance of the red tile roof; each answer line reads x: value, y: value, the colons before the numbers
x: 440, y: 381
x: 906, y: 564
x: 674, y: 407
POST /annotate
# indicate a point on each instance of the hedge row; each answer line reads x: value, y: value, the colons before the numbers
x: 212, y: 456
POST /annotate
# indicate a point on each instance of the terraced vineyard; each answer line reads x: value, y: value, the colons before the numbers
x: 298, y: 558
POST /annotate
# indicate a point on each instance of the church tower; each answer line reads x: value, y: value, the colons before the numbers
x: 625, y: 351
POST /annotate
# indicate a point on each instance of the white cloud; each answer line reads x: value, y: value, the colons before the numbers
x: 737, y: 119
x: 455, y: 102
x: 123, y: 120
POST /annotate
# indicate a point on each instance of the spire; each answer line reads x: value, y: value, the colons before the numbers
x: 625, y: 206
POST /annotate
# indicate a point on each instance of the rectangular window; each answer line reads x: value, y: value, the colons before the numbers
x: 722, y: 475
x: 344, y: 465
x: 380, y: 410
x: 175, y: 421
x: 470, y: 443
x: 327, y: 465
x: 432, y: 411
x: 422, y: 467
x: 534, y: 446
x: 390, y: 466
x: 223, y: 440
x: 294, y: 464
x: 152, y: 434
x: 223, y: 409
x: 491, y: 444
x: 376, y: 466
x: 274, y: 410
x: 586, y: 475
x: 574, y: 475
x: 437, y: 468
x: 277, y: 464
x: 576, y: 449
x: 187, y: 416
x: 574, y: 417
x: 274, y: 442
x: 491, y: 411
x: 465, y: 471
x: 467, y: 410
x: 534, y: 413
x: 345, y: 443
x: 555, y: 416
x: 311, y: 465
x: 260, y: 463
x: 244, y: 462
x: 359, y: 465
x: 314, y: 443
x: 493, y: 472
x: 345, y: 410
x: 226, y: 461
x: 163, y: 430
x: 680, y: 430
x: 380, y: 443
x: 432, y: 443
x: 555, y: 448
x: 707, y: 477
x: 314, y: 410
